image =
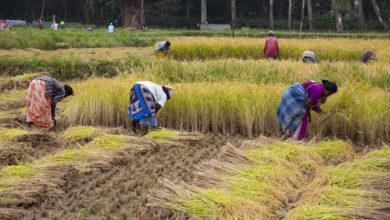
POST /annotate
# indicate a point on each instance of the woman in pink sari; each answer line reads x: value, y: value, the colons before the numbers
x: 297, y: 102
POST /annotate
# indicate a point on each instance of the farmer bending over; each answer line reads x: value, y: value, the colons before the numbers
x: 309, y: 56
x: 43, y: 95
x: 271, y: 47
x: 146, y: 99
x: 297, y: 102
x: 367, y: 56
x: 163, y: 48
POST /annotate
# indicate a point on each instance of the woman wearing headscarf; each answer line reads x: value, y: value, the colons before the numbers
x: 43, y: 95
x: 297, y: 102
x: 146, y: 99
x: 163, y: 48
x: 309, y: 56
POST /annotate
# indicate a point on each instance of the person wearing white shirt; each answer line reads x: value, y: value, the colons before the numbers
x: 111, y: 28
x: 309, y: 56
x: 163, y: 48
x: 54, y: 26
x: 146, y: 99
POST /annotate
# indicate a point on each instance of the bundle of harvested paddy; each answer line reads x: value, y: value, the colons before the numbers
x: 355, y: 190
x: 249, y: 184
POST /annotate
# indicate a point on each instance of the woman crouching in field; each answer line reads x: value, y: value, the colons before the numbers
x: 297, y: 102
x: 146, y: 99
x: 43, y: 95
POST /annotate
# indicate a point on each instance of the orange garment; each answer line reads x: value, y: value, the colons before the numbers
x: 38, y: 106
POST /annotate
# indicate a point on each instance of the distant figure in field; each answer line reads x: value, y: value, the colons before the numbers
x: 62, y: 25
x: 54, y: 26
x: 297, y: 102
x: 9, y: 25
x: 367, y: 56
x: 2, y: 24
x: 40, y: 25
x: 309, y: 56
x: 146, y: 99
x: 271, y: 47
x: 43, y: 95
x: 163, y: 48
x: 111, y: 28
x: 89, y: 30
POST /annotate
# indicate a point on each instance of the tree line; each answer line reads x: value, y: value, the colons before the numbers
x: 287, y: 14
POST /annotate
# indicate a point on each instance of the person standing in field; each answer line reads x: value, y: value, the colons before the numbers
x: 367, y: 56
x: 89, y: 30
x: 309, y: 56
x: 146, y: 99
x: 40, y: 25
x: 111, y: 28
x: 297, y: 102
x: 2, y: 24
x: 62, y: 25
x: 43, y: 95
x: 271, y: 47
x: 54, y: 26
x: 163, y: 48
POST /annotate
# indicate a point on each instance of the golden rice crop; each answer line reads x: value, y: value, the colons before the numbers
x: 354, y: 190
x: 243, y: 48
x: 256, y: 187
x: 261, y: 71
x: 358, y: 112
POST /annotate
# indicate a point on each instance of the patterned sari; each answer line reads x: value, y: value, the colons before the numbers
x: 292, y: 114
x: 38, y: 106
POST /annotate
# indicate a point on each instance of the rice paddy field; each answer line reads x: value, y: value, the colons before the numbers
x: 219, y: 152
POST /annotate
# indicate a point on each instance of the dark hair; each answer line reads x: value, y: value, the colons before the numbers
x: 330, y: 86
x: 166, y: 90
x: 168, y: 43
x: 68, y: 90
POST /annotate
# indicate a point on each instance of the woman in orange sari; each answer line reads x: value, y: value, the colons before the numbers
x: 43, y: 95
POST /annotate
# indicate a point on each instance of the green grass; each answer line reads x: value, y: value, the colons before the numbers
x: 31, y: 37
x: 63, y: 68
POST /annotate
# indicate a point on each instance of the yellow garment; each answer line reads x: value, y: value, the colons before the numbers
x: 163, y: 54
x: 62, y: 22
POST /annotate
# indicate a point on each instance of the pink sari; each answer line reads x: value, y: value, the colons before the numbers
x: 300, y: 132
